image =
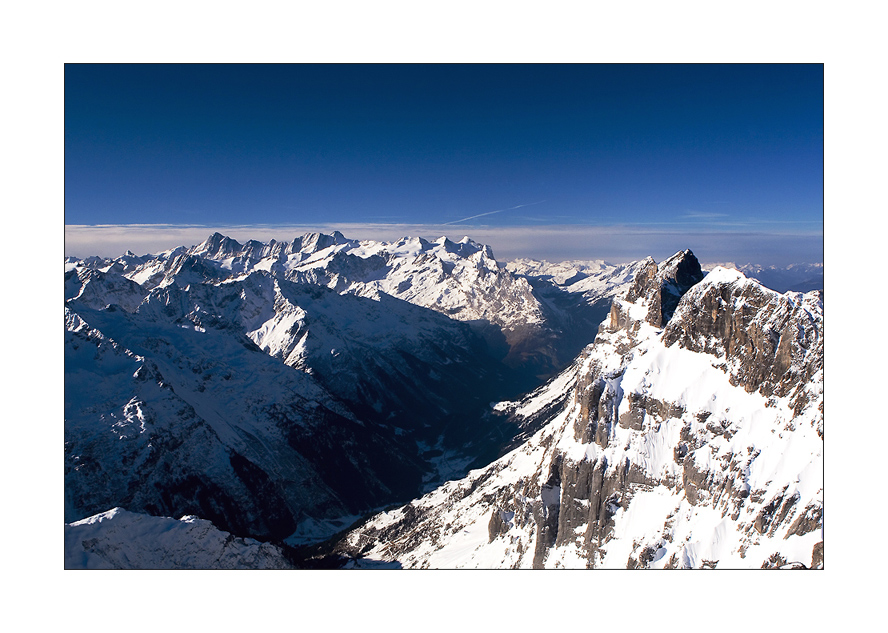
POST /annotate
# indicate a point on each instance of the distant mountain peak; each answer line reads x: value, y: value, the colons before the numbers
x: 217, y: 245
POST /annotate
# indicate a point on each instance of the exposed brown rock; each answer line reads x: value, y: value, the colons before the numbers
x: 497, y: 525
x: 807, y: 521
x: 817, y: 556
x: 659, y: 288
x: 773, y: 340
x: 641, y: 405
x: 693, y: 480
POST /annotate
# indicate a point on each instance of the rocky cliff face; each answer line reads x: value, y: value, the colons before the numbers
x: 655, y: 292
x: 692, y: 438
x: 774, y: 341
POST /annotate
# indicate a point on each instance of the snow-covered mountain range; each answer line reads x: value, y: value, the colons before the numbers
x: 522, y: 315
x: 282, y: 391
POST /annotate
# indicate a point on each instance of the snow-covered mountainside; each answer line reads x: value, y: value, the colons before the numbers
x: 118, y: 539
x: 282, y: 391
x: 688, y: 435
x: 594, y: 280
x: 264, y: 405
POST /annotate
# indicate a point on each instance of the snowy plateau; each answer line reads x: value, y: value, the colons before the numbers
x: 329, y: 402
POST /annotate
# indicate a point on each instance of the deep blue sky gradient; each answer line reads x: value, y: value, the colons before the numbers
x: 711, y: 147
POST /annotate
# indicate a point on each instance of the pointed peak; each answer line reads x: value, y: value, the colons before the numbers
x: 314, y: 242
x: 680, y: 256
x: 217, y: 245
x: 682, y: 270
x: 661, y: 286
x: 213, y: 240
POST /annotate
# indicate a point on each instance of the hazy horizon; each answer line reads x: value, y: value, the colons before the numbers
x: 554, y: 243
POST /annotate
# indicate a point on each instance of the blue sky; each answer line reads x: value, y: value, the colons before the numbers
x: 555, y: 161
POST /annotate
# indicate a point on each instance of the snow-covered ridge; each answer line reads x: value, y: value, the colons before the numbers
x: 443, y: 275
x: 794, y: 277
x: 721, y: 275
x: 461, y: 279
x: 118, y: 539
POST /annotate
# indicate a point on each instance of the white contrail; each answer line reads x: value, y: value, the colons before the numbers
x: 472, y: 217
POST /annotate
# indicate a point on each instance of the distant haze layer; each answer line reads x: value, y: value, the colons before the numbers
x: 614, y: 243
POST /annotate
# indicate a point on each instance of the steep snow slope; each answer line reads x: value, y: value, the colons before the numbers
x: 175, y: 420
x: 691, y: 437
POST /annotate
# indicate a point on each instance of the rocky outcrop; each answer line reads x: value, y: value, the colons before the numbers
x: 658, y: 289
x: 596, y: 398
x: 774, y: 341
x: 546, y: 514
x: 499, y: 523
x: 817, y: 556
x: 641, y: 406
